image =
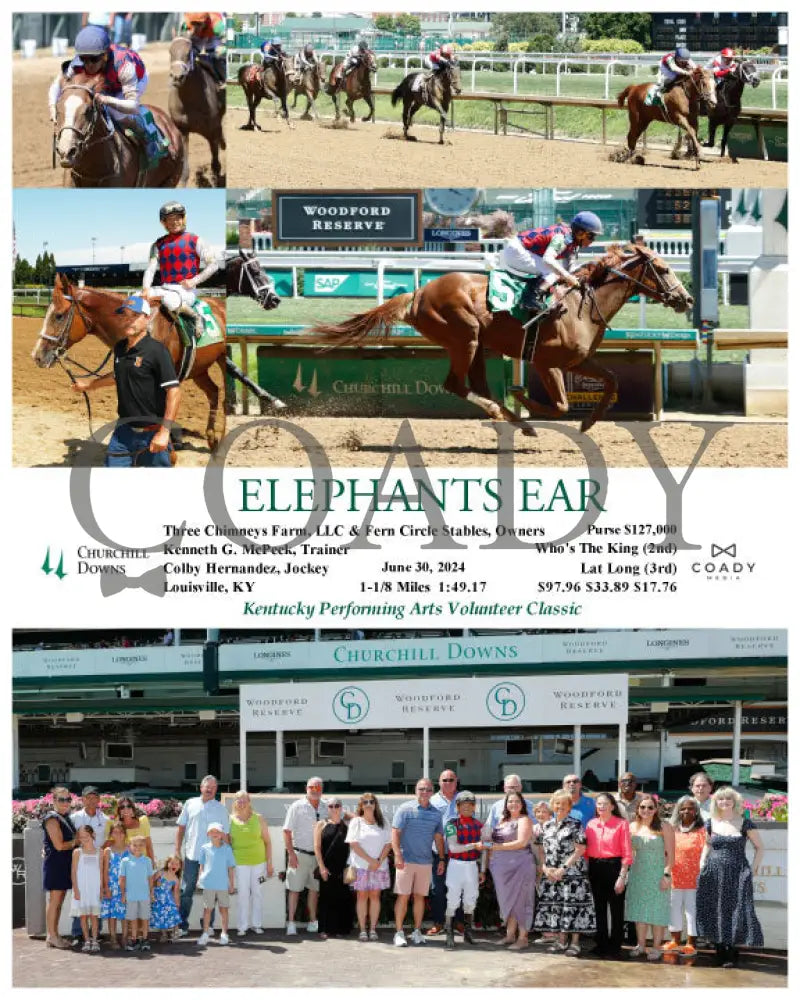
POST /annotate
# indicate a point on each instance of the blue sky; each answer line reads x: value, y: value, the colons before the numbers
x: 67, y: 219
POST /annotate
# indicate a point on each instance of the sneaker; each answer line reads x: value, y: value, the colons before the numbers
x: 137, y: 945
x: 312, y: 926
x: 291, y: 928
x: 418, y: 937
x: 654, y: 955
x: 373, y: 936
x: 688, y: 950
x: 224, y: 939
x: 241, y: 932
x: 86, y: 946
x: 400, y: 940
x: 95, y: 946
x: 258, y: 930
x: 363, y: 936
x: 182, y: 932
x: 202, y: 941
x: 130, y: 946
x: 145, y: 946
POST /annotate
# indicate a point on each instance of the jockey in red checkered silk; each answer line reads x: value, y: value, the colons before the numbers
x: 548, y: 253
x: 183, y: 261
x: 723, y: 64
x: 440, y: 58
x: 125, y: 83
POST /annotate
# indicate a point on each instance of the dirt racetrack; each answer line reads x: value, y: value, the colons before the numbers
x: 50, y: 423
x: 352, y: 441
x: 33, y: 133
x: 313, y: 154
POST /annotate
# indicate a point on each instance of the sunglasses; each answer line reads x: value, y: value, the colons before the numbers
x: 368, y: 802
x: 446, y: 781
x: 647, y: 808
x: 334, y: 805
x: 62, y: 798
x: 91, y: 60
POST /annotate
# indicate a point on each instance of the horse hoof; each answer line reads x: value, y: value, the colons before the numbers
x: 586, y: 424
x: 529, y: 432
x: 638, y: 160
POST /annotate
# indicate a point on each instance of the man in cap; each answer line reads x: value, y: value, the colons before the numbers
x: 463, y: 839
x: 148, y: 393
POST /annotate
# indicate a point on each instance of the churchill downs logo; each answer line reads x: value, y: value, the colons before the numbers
x: 505, y: 701
x: 350, y: 705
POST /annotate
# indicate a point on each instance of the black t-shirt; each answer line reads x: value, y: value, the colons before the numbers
x: 143, y: 374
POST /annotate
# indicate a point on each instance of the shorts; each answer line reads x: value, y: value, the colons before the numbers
x: 412, y: 880
x: 137, y: 909
x: 302, y: 877
x: 216, y: 897
x: 367, y: 881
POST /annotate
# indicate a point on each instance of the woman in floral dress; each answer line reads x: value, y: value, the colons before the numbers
x: 565, y: 901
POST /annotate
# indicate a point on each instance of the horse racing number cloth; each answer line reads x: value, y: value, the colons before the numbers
x: 143, y: 374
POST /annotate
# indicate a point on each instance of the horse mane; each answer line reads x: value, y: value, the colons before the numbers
x: 593, y: 272
x: 85, y: 79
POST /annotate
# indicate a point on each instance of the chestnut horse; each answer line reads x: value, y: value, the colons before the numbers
x: 680, y: 107
x: 97, y: 153
x: 357, y: 85
x: 196, y: 103
x: 75, y: 312
x: 451, y: 311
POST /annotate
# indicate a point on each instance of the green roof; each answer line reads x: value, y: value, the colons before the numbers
x: 346, y: 23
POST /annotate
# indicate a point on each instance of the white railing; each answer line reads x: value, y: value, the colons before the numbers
x: 778, y: 74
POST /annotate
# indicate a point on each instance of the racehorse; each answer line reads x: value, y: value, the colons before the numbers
x: 267, y: 80
x: 680, y: 107
x: 432, y: 91
x: 357, y: 85
x: 196, y: 103
x: 451, y: 311
x: 307, y: 84
x: 729, y: 102
x: 76, y: 312
x: 245, y: 276
x: 97, y: 154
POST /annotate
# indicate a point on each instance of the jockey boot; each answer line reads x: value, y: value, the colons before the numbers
x: 532, y: 298
x: 450, y: 938
x: 468, y: 928
x: 219, y: 65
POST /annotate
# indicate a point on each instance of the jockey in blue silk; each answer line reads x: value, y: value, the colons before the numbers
x: 548, y: 253
x: 272, y: 50
x: 183, y: 261
x: 123, y: 87
x: 675, y: 66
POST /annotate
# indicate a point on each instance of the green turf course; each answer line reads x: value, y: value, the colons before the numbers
x: 570, y: 122
x: 307, y: 311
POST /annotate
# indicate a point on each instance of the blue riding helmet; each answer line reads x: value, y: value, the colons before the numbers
x: 92, y: 41
x: 276, y: 42
x: 589, y: 222
x: 683, y: 53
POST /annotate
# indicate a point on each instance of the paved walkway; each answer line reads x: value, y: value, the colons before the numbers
x: 277, y: 961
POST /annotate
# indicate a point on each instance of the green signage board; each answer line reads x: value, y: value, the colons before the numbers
x: 743, y: 141
x: 776, y: 139
x: 361, y: 284
x: 372, y: 382
x: 282, y: 280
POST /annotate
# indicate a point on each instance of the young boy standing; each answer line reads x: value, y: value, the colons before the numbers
x: 217, y: 868
x: 135, y: 874
x: 463, y: 839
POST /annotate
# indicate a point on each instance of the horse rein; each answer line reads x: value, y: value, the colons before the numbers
x: 661, y: 293
x: 259, y: 288
x: 83, y: 137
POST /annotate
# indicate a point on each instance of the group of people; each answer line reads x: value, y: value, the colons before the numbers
x: 566, y: 867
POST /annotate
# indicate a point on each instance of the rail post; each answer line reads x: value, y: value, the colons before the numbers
x: 562, y: 62
x: 381, y: 273
x: 607, y: 73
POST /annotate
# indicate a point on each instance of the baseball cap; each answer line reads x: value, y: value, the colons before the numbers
x: 136, y: 304
x: 90, y: 790
x: 214, y: 826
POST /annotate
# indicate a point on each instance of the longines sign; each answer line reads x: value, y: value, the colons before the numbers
x: 441, y: 704
x: 347, y: 218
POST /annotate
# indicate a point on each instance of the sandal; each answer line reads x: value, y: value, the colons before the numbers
x: 573, y: 951
x: 373, y: 935
x: 654, y: 955
x: 636, y: 952
x: 557, y: 949
x: 363, y: 936
x: 58, y: 943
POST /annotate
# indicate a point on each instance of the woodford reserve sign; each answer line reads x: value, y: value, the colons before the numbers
x: 347, y: 218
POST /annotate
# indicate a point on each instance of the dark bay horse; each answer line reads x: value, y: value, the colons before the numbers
x: 681, y: 106
x: 97, y: 154
x: 729, y: 102
x: 308, y: 84
x: 356, y: 86
x: 451, y: 311
x: 245, y: 276
x: 196, y: 103
x: 269, y: 80
x: 76, y: 312
x: 434, y: 90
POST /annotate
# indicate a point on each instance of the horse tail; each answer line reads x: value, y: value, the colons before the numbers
x: 377, y: 323
x: 399, y: 92
x: 622, y: 96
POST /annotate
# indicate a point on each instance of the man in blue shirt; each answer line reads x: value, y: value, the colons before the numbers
x: 415, y: 825
x: 191, y: 834
x: 445, y: 802
x: 582, y: 805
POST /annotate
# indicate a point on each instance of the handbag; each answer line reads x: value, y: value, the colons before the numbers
x: 350, y: 875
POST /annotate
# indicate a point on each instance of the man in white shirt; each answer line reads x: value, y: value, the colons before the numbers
x: 191, y: 833
x: 89, y: 815
x: 511, y: 783
x: 298, y: 838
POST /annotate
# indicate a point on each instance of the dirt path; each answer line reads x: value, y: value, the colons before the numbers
x: 33, y: 133
x: 365, y: 155
x: 50, y: 422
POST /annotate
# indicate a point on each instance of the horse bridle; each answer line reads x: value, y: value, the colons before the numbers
x: 85, y: 136
x: 259, y: 283
x: 662, y: 293
x: 186, y: 66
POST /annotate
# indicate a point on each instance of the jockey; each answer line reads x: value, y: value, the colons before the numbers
x: 272, y: 50
x: 207, y: 32
x: 353, y: 58
x: 440, y: 59
x: 548, y: 253
x: 723, y: 64
x: 178, y: 256
x: 125, y: 83
x: 305, y: 59
x: 675, y: 66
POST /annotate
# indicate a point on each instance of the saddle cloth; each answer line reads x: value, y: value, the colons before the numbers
x: 503, y: 293
x: 654, y: 98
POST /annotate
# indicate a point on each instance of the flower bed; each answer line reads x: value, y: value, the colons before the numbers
x: 25, y: 810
